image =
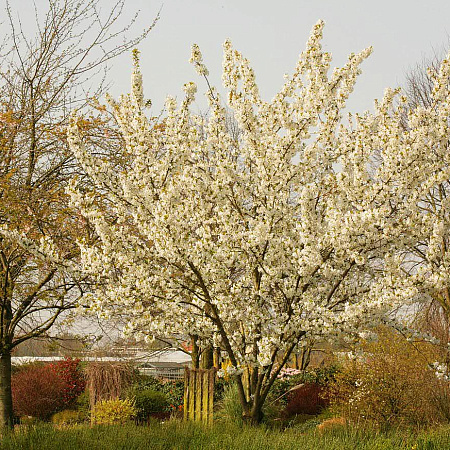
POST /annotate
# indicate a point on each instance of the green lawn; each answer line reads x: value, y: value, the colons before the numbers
x: 179, y: 435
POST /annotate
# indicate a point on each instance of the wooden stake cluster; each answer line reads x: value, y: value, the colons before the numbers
x: 199, y: 394
x: 107, y: 380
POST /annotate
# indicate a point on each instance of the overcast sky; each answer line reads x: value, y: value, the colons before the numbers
x: 272, y: 33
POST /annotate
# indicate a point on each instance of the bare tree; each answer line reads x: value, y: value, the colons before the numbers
x: 42, y: 78
x: 419, y: 80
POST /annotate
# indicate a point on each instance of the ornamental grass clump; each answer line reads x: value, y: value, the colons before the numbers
x: 229, y: 409
x: 108, y: 380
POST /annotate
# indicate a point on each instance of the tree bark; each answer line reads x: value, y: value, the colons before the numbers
x: 207, y: 358
x: 306, y: 358
x: 254, y: 415
x: 6, y: 406
x: 195, y: 353
x: 216, y: 358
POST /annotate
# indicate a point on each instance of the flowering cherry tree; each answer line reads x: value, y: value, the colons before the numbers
x: 415, y: 141
x: 258, y: 240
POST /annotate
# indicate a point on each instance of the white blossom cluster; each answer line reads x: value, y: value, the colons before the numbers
x: 441, y: 371
x: 44, y: 249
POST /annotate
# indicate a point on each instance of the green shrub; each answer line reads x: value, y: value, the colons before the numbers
x: 145, y: 382
x: 279, y: 389
x: 114, y: 411
x: 219, y: 388
x: 82, y: 403
x: 148, y: 402
x: 69, y: 417
x: 322, y: 375
x: 173, y: 390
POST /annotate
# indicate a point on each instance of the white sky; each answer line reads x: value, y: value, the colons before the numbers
x: 271, y: 34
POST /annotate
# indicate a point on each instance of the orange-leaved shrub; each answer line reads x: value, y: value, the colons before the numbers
x: 390, y: 383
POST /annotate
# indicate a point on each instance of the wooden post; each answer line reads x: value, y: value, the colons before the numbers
x: 195, y: 353
x: 199, y: 394
x: 205, y: 397
x: 193, y: 397
x: 186, y: 393
x: 211, y: 382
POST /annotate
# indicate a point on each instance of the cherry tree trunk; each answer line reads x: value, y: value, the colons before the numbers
x: 254, y: 414
x: 207, y: 358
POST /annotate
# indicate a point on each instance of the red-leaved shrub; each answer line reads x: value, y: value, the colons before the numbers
x: 307, y: 399
x: 37, y: 391
x: 70, y: 372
